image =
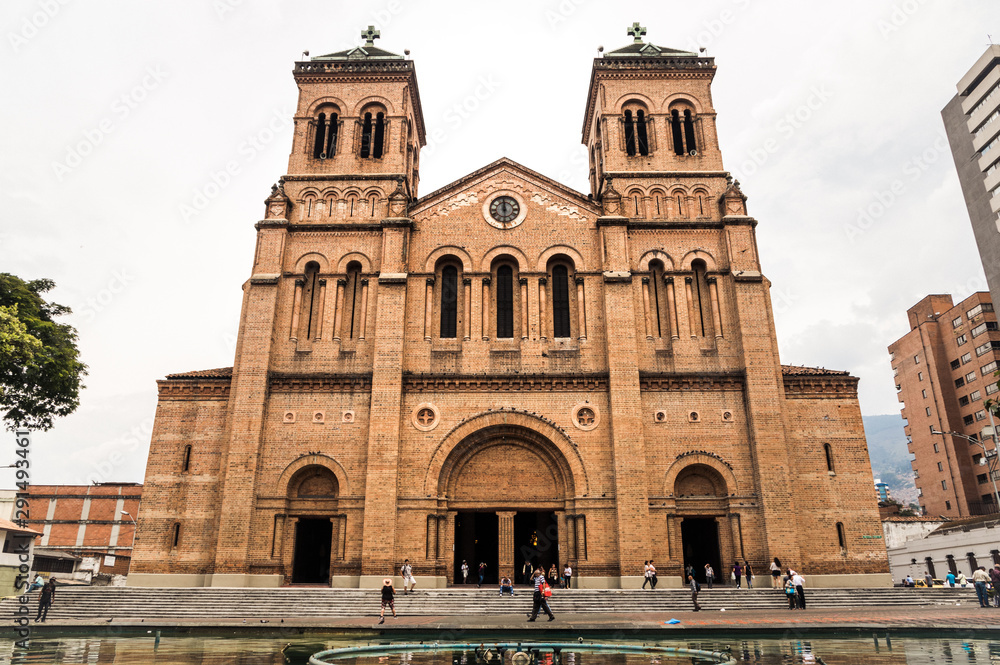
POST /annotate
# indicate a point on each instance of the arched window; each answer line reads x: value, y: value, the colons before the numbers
x: 675, y: 130
x: 930, y: 566
x: 629, y: 133
x: 449, y: 302
x: 637, y: 203
x: 640, y: 132
x: 351, y: 204
x: 379, y: 135
x: 186, y: 462
x: 952, y: 566
x: 372, y: 204
x: 659, y: 203
x: 692, y: 145
x: 352, y: 302
x: 366, y: 135
x: 841, y: 537
x: 505, y: 302
x: 325, y: 143
x: 829, y: 457
x: 560, y: 302
x: 309, y: 314
x: 701, y: 301
x: 679, y: 200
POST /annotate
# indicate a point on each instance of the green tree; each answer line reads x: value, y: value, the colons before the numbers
x: 40, y: 369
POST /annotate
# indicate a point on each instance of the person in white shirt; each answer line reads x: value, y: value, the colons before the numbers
x: 709, y: 574
x: 645, y: 573
x: 408, y: 580
x: 567, y: 576
x: 798, y: 581
x: 465, y: 572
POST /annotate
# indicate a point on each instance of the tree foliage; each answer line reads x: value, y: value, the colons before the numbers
x: 40, y: 369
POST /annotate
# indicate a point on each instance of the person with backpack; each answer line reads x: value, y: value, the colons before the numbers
x: 695, y: 588
x: 388, y: 599
x: 790, y: 593
x: 539, y: 600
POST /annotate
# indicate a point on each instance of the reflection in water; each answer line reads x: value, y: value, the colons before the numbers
x: 268, y: 651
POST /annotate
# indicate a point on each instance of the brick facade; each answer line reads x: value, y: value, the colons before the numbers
x: 590, y: 377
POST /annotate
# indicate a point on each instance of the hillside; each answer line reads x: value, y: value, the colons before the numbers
x: 889, y: 457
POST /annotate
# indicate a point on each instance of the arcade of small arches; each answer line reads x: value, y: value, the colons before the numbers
x: 559, y: 304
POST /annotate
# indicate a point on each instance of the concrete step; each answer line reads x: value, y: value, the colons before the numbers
x: 81, y: 603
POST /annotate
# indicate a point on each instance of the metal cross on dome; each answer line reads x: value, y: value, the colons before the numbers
x: 637, y: 31
x: 371, y: 34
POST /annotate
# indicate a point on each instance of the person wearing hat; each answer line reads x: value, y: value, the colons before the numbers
x: 388, y: 598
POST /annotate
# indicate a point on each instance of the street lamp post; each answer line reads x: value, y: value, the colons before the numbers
x: 989, y: 459
x: 132, y: 550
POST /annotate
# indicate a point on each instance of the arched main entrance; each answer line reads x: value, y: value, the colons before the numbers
x: 702, y: 504
x: 312, y: 503
x: 507, y: 488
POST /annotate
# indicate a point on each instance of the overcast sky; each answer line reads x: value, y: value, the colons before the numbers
x: 118, y: 117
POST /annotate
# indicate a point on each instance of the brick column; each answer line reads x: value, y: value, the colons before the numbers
x: 672, y: 308
x: 581, y: 306
x: 379, y: 533
x: 293, y: 334
x: 467, y: 284
x: 713, y: 289
x: 542, y: 281
x: 429, y: 309
x: 319, y: 314
x: 645, y: 307
x: 486, y: 308
x: 626, y: 432
x: 505, y: 565
x: 524, y: 307
x: 339, y: 310
x: 247, y: 404
x: 689, y: 292
x: 364, y: 308
x: 734, y: 523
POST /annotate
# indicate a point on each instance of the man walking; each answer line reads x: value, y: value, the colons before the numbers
x: 995, y: 579
x: 693, y: 583
x: 709, y: 574
x: 645, y: 574
x: 408, y: 580
x: 652, y: 576
x: 45, y: 599
x: 980, y: 578
x: 799, y: 582
x: 538, y: 601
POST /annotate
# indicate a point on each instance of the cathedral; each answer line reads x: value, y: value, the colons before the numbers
x: 506, y: 371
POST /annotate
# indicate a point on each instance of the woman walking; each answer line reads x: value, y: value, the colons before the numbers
x: 652, y: 576
x: 645, y: 574
x: 748, y: 573
x: 388, y: 598
x: 737, y: 573
x: 775, y: 574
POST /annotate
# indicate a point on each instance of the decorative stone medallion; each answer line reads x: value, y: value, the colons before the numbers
x: 426, y: 417
x: 585, y: 416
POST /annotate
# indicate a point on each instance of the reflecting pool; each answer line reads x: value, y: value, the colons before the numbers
x: 296, y: 650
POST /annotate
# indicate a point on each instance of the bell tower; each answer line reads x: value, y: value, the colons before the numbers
x: 358, y: 115
x: 650, y: 123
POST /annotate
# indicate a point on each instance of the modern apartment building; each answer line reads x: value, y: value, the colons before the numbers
x: 972, y: 121
x: 944, y: 369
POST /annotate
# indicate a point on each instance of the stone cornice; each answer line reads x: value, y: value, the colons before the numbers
x: 333, y: 383
x: 820, y: 387
x: 673, y: 382
x: 688, y: 224
x: 505, y: 382
x: 305, y: 177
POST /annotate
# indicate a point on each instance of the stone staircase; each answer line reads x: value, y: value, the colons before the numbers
x: 167, y: 604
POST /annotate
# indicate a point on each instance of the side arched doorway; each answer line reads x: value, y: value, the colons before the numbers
x: 702, y: 499
x: 311, y: 504
x: 507, y: 491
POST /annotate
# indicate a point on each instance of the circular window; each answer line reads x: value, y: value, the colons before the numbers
x: 585, y: 416
x: 425, y: 417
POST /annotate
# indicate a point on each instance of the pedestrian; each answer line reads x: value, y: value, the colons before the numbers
x: 737, y: 573
x: 652, y: 576
x: 465, y: 572
x: 482, y: 573
x: 799, y: 583
x: 709, y: 575
x: 388, y: 599
x: 962, y: 580
x: 539, y: 600
x: 645, y: 574
x: 37, y: 584
x: 790, y: 593
x: 949, y: 579
x: 45, y: 598
x: 909, y: 581
x: 748, y: 573
x: 688, y: 570
x: 776, y: 574
x: 407, y: 573
x: 929, y: 581
x: 506, y: 585
x: 526, y: 573
x: 695, y: 588
x: 567, y: 575
x: 553, y: 575
x: 980, y: 578
x: 995, y: 581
